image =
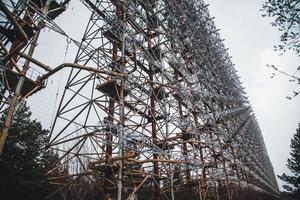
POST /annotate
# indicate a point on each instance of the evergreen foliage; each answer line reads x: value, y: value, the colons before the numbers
x: 293, y: 164
x: 23, y: 161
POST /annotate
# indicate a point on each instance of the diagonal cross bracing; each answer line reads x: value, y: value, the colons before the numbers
x: 169, y: 113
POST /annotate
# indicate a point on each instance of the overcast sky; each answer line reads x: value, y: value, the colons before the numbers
x: 250, y: 39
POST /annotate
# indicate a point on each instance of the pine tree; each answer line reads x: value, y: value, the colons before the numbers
x: 22, y: 162
x: 293, y: 165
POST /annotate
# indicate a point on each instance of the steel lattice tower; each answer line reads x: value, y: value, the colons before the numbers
x: 153, y: 101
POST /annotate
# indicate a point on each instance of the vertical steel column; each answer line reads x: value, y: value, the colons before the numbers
x: 154, y: 137
x: 121, y: 102
x: 201, y: 158
x: 153, y: 121
x: 120, y: 140
x: 184, y: 146
x: 111, y: 106
x: 14, y: 101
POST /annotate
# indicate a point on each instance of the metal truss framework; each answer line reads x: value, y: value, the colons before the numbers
x: 20, y: 25
x: 152, y: 100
